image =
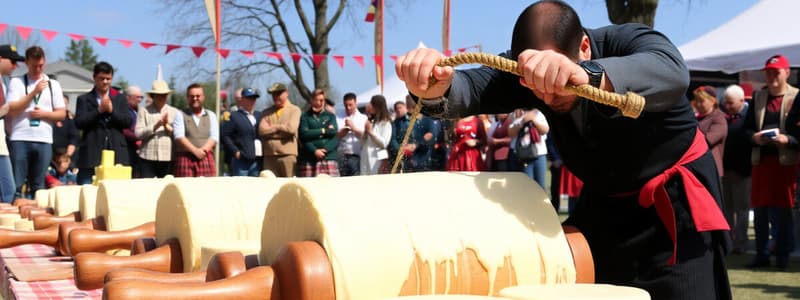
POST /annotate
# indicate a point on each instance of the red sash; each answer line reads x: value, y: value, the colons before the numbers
x: 706, y: 213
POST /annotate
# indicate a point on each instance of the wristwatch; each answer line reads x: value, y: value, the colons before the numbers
x: 594, y: 70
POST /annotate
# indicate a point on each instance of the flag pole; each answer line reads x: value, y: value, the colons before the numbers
x: 446, y: 27
x: 217, y: 37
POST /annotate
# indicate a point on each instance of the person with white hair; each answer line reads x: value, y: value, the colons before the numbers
x: 134, y: 96
x: 736, y: 179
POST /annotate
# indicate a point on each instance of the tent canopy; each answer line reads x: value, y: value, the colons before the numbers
x: 746, y: 41
x: 393, y: 89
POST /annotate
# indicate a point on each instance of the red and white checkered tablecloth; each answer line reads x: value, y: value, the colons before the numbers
x: 55, y: 290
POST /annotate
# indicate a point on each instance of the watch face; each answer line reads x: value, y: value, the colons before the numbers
x: 592, y: 67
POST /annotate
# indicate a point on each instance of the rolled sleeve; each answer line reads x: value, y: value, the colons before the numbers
x: 214, y: 134
x: 178, y: 131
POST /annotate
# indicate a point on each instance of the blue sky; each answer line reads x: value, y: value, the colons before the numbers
x: 487, y: 23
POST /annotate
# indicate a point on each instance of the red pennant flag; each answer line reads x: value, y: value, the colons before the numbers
x: 48, y: 34
x: 318, y: 59
x: 339, y: 60
x: 393, y: 57
x: 171, y: 47
x: 101, y: 40
x: 448, y: 52
x: 296, y: 57
x: 462, y: 50
x: 274, y: 55
x: 198, y: 50
x: 224, y: 52
x: 359, y: 59
x: 24, y: 32
x: 247, y: 53
x: 3, y: 27
x: 146, y: 45
x: 378, y: 59
x: 125, y: 43
x: 75, y: 37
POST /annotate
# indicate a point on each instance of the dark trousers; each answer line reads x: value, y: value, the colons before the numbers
x: 780, y: 221
x: 631, y: 246
x: 152, y: 168
x: 349, y: 165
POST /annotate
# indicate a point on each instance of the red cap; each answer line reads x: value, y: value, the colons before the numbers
x: 777, y: 62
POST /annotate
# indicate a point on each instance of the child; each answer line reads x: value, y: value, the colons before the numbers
x: 59, y: 173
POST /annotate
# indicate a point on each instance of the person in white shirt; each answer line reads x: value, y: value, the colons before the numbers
x: 351, y: 127
x: 376, y: 138
x: 8, y: 62
x: 196, y: 133
x: 537, y: 168
x: 35, y: 103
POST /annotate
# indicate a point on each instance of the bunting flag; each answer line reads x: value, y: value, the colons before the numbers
x: 75, y: 37
x: 171, y: 47
x: 3, y: 28
x: 296, y: 57
x: 223, y: 52
x: 198, y: 50
x: 371, y: 11
x: 248, y: 53
x: 274, y: 55
x: 146, y: 45
x: 125, y: 43
x: 339, y: 60
x: 101, y: 40
x: 359, y: 59
x: 24, y: 32
x: 48, y: 34
x: 318, y: 59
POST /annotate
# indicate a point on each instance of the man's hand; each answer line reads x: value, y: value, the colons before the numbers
x: 238, y: 154
x: 348, y: 123
x: 547, y: 73
x: 40, y: 86
x: 320, y: 153
x: 781, y: 140
x: 105, y: 104
x: 37, y: 113
x: 415, y: 69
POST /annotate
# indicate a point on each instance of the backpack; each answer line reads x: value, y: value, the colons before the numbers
x: 527, y: 137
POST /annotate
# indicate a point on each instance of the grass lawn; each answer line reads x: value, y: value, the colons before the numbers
x: 763, y: 283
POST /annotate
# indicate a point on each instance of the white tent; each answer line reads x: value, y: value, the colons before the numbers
x: 746, y: 41
x: 393, y: 89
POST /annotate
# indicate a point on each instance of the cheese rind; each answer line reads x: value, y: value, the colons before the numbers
x: 125, y: 204
x: 372, y: 225
x: 42, y: 197
x: 211, y: 248
x: 66, y: 199
x: 87, y: 202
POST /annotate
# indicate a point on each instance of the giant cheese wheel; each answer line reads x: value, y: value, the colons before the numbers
x: 386, y: 233
x: 66, y: 200
x: 212, y: 209
x: 574, y: 292
x: 127, y: 203
x: 87, y: 203
x: 42, y: 197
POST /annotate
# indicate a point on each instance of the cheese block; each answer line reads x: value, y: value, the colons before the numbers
x: 211, y: 248
x: 23, y: 225
x: 376, y: 229
x: 7, y: 220
x: 66, y: 200
x: 212, y: 209
x: 125, y: 204
x: 87, y: 202
x: 574, y: 291
x: 42, y: 197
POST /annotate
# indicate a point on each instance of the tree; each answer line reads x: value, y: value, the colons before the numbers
x: 177, y: 99
x: 632, y: 11
x: 81, y: 54
x: 266, y: 25
x: 121, y: 83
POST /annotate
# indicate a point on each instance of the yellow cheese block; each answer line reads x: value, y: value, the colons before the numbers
x: 374, y: 228
x: 107, y: 169
x: 211, y: 248
x: 87, y: 202
x: 66, y: 200
x: 574, y: 292
x: 125, y: 204
x: 212, y: 209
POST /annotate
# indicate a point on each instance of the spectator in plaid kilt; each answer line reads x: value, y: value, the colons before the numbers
x: 318, y: 140
x: 196, y: 133
x: 278, y: 132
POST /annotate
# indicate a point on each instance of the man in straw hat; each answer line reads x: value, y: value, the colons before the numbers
x: 154, y: 129
x: 101, y: 114
x: 8, y: 62
x: 649, y: 207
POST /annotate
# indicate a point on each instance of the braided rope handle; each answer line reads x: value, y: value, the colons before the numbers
x: 630, y: 104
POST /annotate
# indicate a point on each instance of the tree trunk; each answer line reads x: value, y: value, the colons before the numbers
x: 320, y: 45
x: 632, y: 11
